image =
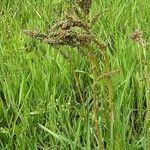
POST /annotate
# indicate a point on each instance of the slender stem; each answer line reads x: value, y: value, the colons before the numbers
x: 95, y: 109
x: 110, y: 96
x: 77, y: 82
x: 137, y: 36
x: 103, y: 50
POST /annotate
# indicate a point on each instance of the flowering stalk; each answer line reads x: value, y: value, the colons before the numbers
x: 94, y: 68
x: 110, y: 95
x: 66, y: 33
x: 137, y: 36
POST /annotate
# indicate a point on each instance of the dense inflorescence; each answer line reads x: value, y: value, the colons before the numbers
x: 73, y: 31
x: 137, y: 36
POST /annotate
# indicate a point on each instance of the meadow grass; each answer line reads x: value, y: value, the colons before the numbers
x: 40, y: 106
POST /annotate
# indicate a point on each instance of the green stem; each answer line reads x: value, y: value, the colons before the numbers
x: 92, y: 60
x: 77, y: 82
x: 110, y: 96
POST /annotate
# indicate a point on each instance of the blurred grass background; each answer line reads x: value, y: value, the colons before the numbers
x: 37, y: 85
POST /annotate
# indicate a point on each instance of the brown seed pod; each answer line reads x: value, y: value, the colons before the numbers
x: 137, y: 36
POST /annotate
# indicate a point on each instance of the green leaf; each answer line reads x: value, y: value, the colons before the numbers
x: 60, y: 137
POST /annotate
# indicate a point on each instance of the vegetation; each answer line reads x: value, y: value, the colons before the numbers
x: 74, y: 75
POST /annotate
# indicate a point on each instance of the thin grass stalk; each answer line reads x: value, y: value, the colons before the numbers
x: 110, y: 96
x: 137, y: 36
x: 92, y: 60
x: 77, y: 82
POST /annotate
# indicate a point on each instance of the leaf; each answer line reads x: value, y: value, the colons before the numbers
x: 59, y: 137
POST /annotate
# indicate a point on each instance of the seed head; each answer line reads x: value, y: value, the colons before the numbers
x: 137, y: 36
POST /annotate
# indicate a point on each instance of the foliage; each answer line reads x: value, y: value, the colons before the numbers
x: 41, y: 106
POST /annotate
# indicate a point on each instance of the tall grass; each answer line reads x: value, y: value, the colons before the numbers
x: 40, y: 103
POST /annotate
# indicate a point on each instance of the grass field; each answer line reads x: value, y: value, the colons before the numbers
x: 40, y: 105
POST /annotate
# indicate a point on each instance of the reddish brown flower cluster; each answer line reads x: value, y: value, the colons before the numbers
x: 72, y: 31
x: 137, y: 36
x: 65, y: 33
